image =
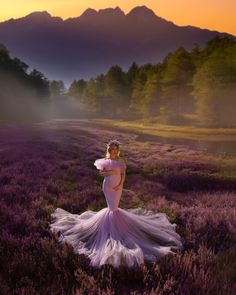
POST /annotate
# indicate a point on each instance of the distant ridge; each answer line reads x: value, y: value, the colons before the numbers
x: 89, y: 44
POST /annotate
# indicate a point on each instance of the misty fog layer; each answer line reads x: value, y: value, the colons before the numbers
x: 31, y: 97
x: 188, y: 88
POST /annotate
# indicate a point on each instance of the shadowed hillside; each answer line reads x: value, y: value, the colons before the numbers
x: 90, y: 44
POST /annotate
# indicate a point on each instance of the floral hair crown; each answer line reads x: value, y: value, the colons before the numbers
x: 113, y: 141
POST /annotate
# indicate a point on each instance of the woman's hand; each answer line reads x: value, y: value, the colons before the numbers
x: 105, y: 172
x: 117, y: 187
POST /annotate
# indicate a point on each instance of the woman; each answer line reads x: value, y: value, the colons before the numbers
x: 113, y: 235
x: 113, y: 170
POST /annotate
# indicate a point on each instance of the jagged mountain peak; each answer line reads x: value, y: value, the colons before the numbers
x: 102, y: 12
x: 89, y: 44
x: 111, y: 11
x: 40, y: 17
x: 36, y: 17
x: 100, y: 15
x: 141, y: 11
x: 88, y: 13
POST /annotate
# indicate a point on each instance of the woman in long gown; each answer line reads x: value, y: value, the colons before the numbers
x: 113, y: 235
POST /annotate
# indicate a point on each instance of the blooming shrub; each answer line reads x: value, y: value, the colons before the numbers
x: 53, y: 167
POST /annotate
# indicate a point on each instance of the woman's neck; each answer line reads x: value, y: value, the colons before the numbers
x: 113, y: 158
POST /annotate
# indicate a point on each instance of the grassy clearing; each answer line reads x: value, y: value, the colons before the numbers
x: 171, y: 131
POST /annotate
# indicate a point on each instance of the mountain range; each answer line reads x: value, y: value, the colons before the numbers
x: 85, y: 46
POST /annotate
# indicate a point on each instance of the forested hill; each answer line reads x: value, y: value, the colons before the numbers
x: 88, y: 45
x: 199, y: 84
x: 196, y: 87
x: 23, y: 96
x: 28, y: 96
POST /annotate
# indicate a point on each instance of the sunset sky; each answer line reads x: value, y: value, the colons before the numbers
x: 211, y: 14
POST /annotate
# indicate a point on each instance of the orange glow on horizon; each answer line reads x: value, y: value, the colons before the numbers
x: 209, y: 14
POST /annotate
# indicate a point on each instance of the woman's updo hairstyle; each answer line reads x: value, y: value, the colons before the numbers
x: 109, y: 145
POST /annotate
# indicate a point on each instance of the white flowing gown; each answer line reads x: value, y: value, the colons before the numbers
x: 113, y: 235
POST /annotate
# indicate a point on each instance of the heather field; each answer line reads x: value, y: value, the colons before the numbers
x: 50, y: 165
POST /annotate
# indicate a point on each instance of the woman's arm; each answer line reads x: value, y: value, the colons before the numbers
x: 122, y: 174
x: 122, y: 178
x: 105, y: 172
x: 121, y: 181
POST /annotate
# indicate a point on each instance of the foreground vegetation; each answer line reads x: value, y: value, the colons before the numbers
x: 42, y: 168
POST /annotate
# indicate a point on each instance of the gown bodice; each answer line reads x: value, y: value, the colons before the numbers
x: 108, y: 164
x: 118, y: 167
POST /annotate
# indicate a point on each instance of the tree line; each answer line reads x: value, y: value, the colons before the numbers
x: 187, y: 87
x: 24, y: 96
x: 200, y: 82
